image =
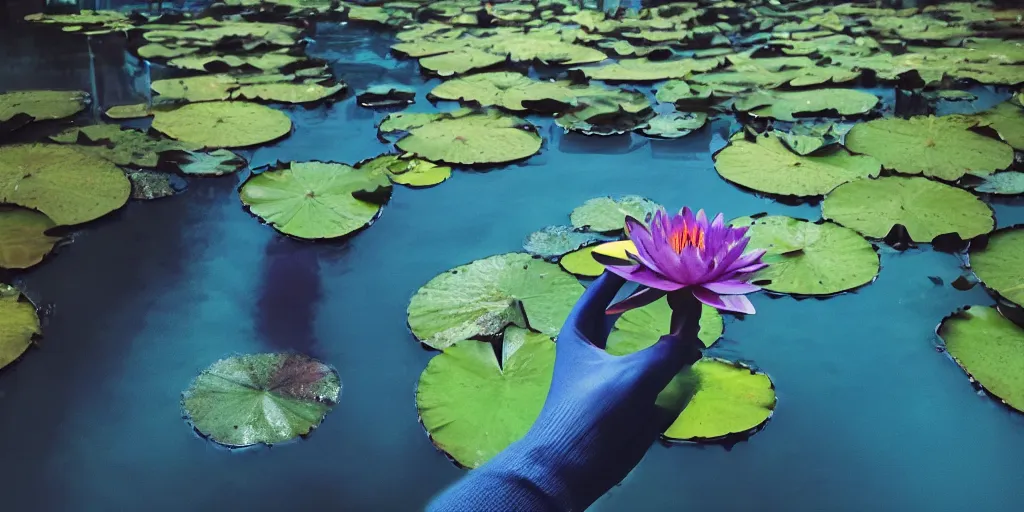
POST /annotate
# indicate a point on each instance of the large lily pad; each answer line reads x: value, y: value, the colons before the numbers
x: 408, y: 171
x: 120, y: 146
x: 990, y: 349
x: 769, y: 166
x: 261, y: 398
x: 786, y: 105
x: 644, y: 70
x: 223, y: 124
x: 23, y: 238
x: 316, y: 200
x: 554, y: 241
x: 528, y: 47
x: 483, y: 297
x: 999, y: 264
x: 640, y: 328
x: 728, y: 399
x: 69, y: 186
x: 940, y: 147
x: 460, y: 61
x: 488, y: 137
x: 808, y: 258
x: 474, y: 405
x: 19, y: 324
x: 926, y: 208
x: 607, y: 214
x: 41, y: 105
x: 503, y: 89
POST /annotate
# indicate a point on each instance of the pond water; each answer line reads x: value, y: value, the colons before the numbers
x: 869, y: 417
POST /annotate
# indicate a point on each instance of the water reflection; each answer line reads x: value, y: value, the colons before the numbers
x: 287, y: 304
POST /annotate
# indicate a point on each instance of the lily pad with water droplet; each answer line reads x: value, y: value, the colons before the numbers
x: 482, y: 298
x: 23, y: 238
x: 473, y: 404
x: 926, y: 208
x: 999, y: 264
x: 261, y: 398
x: 554, y: 241
x: 808, y: 258
x: 19, y: 324
x: 316, y: 200
x: 939, y: 147
x: 223, y: 124
x: 990, y: 348
x: 608, y: 214
x: 640, y: 328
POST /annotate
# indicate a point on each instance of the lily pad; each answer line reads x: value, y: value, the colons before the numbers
x: 67, y: 185
x: 503, y: 89
x: 41, y: 105
x: 261, y: 398
x: 608, y: 215
x: 786, y: 105
x: 640, y: 328
x: 214, y: 163
x: 23, y: 238
x: 196, y: 88
x: 673, y: 125
x: 809, y: 137
x: 19, y: 324
x: 408, y: 171
x: 386, y: 96
x: 316, y: 200
x: 607, y: 112
x: 728, y: 399
x: 264, y: 61
x: 939, y: 147
x: 924, y: 207
x: 460, y: 61
x: 473, y: 405
x: 554, y: 241
x: 481, y: 298
x: 136, y: 111
x: 808, y: 258
x: 223, y: 124
x: 581, y: 263
x: 529, y: 47
x: 644, y: 70
x: 159, y: 51
x: 1008, y: 120
x: 998, y: 265
x: 1003, y: 183
x: 768, y: 166
x: 288, y: 92
x: 990, y: 349
x: 488, y: 137
x: 149, y: 185
x: 120, y: 146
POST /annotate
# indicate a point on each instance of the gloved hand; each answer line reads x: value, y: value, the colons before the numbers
x: 599, y: 418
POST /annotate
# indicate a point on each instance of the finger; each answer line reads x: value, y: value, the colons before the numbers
x: 588, y: 315
x: 678, y: 349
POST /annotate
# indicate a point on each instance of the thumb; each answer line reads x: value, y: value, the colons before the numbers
x: 678, y: 349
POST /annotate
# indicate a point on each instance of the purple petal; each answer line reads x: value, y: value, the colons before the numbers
x: 638, y: 300
x: 751, y: 268
x: 644, y: 242
x: 737, y: 303
x: 731, y: 287
x: 702, y: 220
x: 646, y: 277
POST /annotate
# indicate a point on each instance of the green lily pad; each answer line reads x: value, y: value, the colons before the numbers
x: 481, y: 298
x: 503, y: 89
x: 581, y: 263
x: 926, y: 208
x: 474, y: 405
x: 263, y: 61
x: 19, y: 324
x: 316, y: 200
x: 460, y: 61
x: 727, y: 399
x: 806, y: 138
x: 214, y: 163
x: 755, y: 76
x: 120, y: 146
x: 427, y: 48
x: 785, y: 105
x: 674, y: 125
x: 41, y: 105
x: 990, y: 349
x: 67, y: 185
x: 998, y: 265
x: 223, y: 124
x: 159, y: 51
x: 768, y: 166
x: 1008, y: 120
x: 196, y: 88
x: 136, y: 111
x: 23, y: 238
x: 607, y: 112
x: 208, y: 32
x: 407, y: 171
x: 640, y: 328
x: 488, y: 137
x: 554, y: 241
x: 808, y: 258
x: 1003, y: 183
x: 529, y: 47
x: 608, y: 215
x: 288, y: 92
x: 939, y: 147
x: 644, y: 70
x: 261, y: 398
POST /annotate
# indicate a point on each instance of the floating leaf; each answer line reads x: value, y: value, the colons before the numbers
x: 69, y: 186
x: 1004, y: 183
x: 939, y: 147
x: 460, y: 61
x: 581, y: 263
x: 926, y: 208
x: 503, y: 89
x: 607, y: 214
x: 528, y: 47
x: 474, y: 405
x: 640, y: 328
x: 727, y: 399
x: 41, y: 105
x: 607, y: 112
x: 785, y: 105
x: 391, y: 95
x: 288, y: 92
x: 412, y: 172
x: 120, y: 146
x: 674, y: 125
x: 990, y: 349
x: 214, y: 163
x: 19, y: 324
x: 644, y: 70
x: 1008, y: 120
x: 806, y: 138
x: 261, y: 398
x: 554, y: 241
x: 768, y: 166
x: 808, y: 258
x: 129, y: 111
x: 488, y: 137
x: 223, y: 124
x: 196, y: 88
x: 23, y: 238
x: 483, y: 297
x: 159, y: 51
x: 264, y: 61
x: 315, y: 200
x: 998, y: 265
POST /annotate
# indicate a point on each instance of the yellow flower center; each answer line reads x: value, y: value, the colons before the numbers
x: 689, y: 236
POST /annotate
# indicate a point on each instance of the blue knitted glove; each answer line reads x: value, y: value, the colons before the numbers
x: 599, y: 418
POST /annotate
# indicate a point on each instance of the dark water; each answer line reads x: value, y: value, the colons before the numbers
x: 870, y: 416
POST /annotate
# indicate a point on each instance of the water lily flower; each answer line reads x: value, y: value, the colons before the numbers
x: 685, y: 254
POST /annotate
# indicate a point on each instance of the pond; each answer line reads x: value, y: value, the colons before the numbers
x: 871, y: 413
